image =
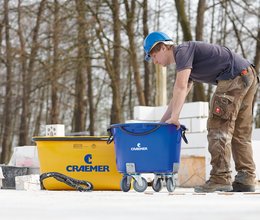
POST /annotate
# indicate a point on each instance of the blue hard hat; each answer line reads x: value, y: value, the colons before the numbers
x: 152, y: 39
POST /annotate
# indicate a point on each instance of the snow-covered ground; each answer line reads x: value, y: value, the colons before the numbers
x: 182, y: 204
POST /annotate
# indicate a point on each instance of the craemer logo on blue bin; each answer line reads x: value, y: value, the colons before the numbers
x: 89, y: 167
x: 139, y: 147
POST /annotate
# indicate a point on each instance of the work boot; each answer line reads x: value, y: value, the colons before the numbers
x: 240, y: 187
x: 210, y: 186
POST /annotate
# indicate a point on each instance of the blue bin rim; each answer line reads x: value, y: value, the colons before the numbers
x: 111, y: 138
x: 141, y: 123
x: 154, y: 125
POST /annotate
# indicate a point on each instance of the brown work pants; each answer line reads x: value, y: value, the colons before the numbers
x: 230, y: 128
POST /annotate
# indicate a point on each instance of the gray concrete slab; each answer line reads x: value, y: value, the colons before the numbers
x: 182, y: 204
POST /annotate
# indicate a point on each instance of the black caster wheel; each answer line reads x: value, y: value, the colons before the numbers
x: 125, y: 183
x: 140, y: 188
x: 170, y: 184
x: 157, y: 185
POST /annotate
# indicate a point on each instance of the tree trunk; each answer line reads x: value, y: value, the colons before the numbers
x: 84, y: 63
x: 25, y: 107
x: 90, y: 90
x: 185, y: 25
x: 1, y: 61
x: 6, y: 141
x: 200, y: 20
x: 130, y: 14
x: 79, y: 104
x: 26, y: 112
x: 38, y: 119
x: 54, y: 112
x: 116, y: 104
x: 198, y: 89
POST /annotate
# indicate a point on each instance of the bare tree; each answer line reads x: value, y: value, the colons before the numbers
x: 116, y: 104
x: 198, y: 90
x: 88, y: 61
x: 183, y: 19
x: 200, y: 19
x: 54, y: 74
x: 6, y: 140
x: 27, y: 77
x: 2, y: 25
x: 109, y: 59
x: 83, y: 66
x: 78, y: 115
x: 129, y: 26
x: 38, y: 120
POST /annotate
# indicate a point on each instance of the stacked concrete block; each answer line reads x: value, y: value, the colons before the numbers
x: 194, y: 116
x: 55, y: 130
x: 25, y: 156
x: 197, y: 145
x: 8, y: 174
x: 27, y: 182
x: 195, y: 110
x: 149, y: 113
x: 23, y: 163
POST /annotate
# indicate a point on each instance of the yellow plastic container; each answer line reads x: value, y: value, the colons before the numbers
x: 81, y: 157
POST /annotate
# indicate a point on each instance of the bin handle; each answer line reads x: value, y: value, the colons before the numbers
x: 111, y: 137
x: 183, y: 131
x: 142, y: 133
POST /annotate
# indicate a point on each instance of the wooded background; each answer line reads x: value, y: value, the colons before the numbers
x: 81, y: 62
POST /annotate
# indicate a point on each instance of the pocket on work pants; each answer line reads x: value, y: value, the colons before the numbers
x: 221, y: 112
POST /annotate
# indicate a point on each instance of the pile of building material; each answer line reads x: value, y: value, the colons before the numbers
x: 22, y: 172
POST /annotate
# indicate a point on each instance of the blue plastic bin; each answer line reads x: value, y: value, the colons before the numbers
x: 150, y: 147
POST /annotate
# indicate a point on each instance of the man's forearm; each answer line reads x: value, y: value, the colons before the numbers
x: 167, y: 113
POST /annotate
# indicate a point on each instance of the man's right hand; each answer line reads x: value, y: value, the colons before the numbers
x: 174, y: 121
